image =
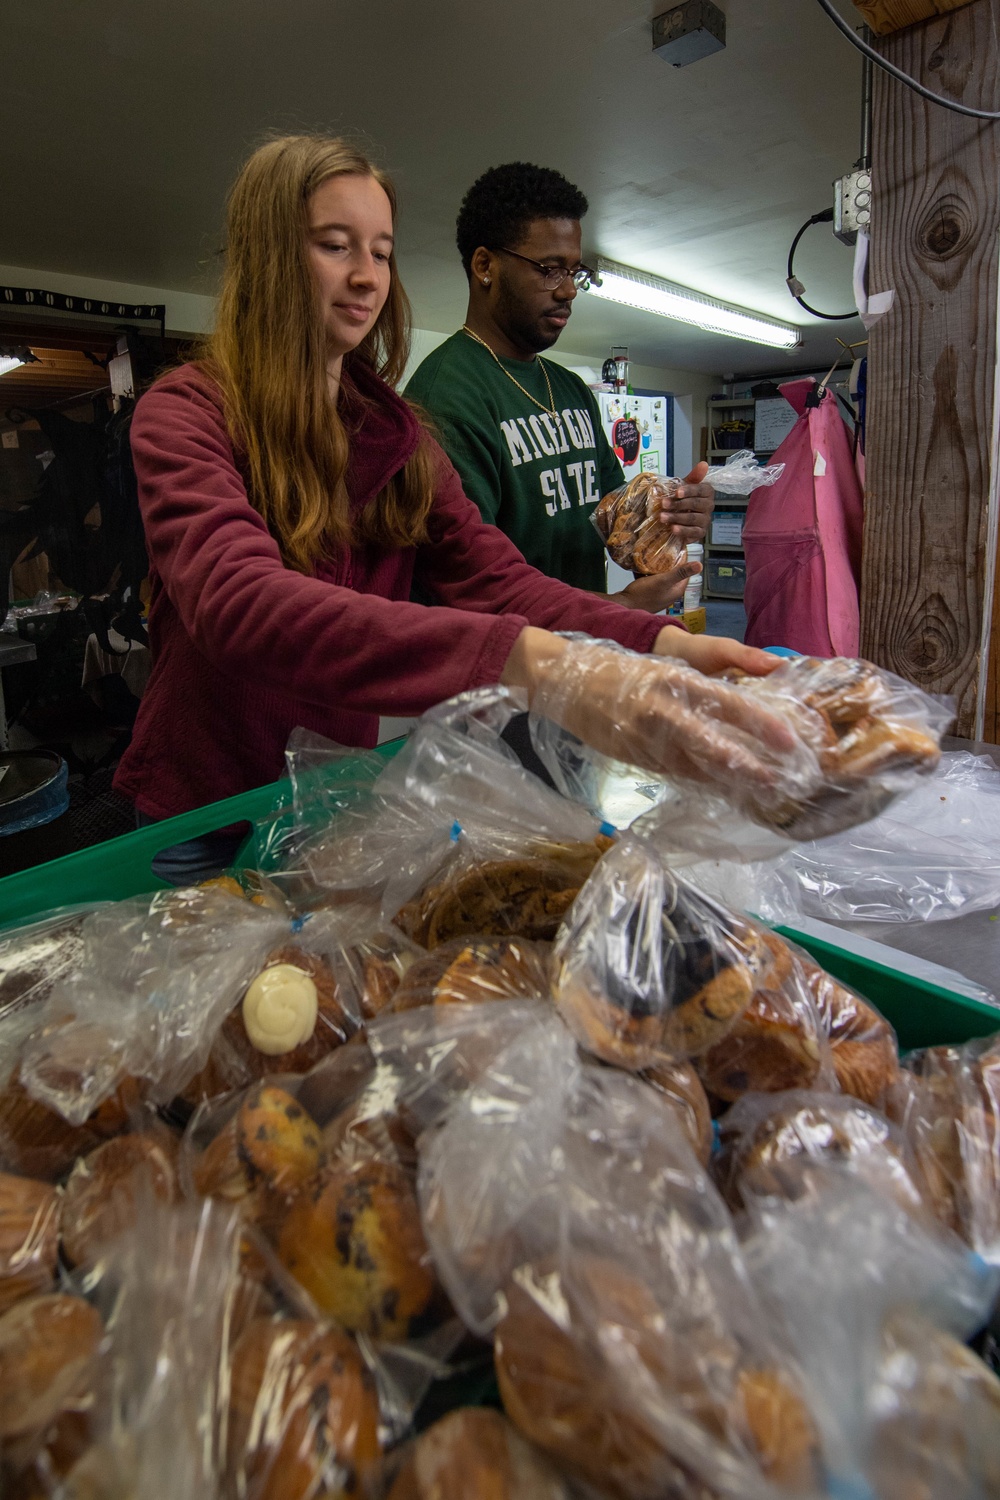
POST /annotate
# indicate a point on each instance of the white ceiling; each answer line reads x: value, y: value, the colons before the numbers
x: 122, y: 124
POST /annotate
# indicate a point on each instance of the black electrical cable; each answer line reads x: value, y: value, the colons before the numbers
x: 897, y: 73
x: 825, y: 217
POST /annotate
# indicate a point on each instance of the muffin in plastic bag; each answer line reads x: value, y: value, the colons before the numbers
x: 569, y: 1216
x: 763, y: 1133
x: 646, y: 963
x: 948, y: 1102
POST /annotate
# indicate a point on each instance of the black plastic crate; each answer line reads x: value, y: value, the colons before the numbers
x: 726, y: 576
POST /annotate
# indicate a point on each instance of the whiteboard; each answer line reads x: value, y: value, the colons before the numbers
x: 774, y: 419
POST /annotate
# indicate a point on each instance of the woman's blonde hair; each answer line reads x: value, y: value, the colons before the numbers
x: 268, y: 356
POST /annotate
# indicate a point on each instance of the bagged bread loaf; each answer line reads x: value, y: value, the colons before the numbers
x: 630, y: 520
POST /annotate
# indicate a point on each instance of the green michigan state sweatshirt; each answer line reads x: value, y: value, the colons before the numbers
x: 534, y: 472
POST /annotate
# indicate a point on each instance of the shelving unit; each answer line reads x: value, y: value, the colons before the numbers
x: 725, y: 554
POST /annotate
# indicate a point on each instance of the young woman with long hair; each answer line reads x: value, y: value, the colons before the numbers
x: 291, y: 500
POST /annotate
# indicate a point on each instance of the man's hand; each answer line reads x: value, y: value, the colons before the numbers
x: 713, y: 653
x: 659, y: 590
x: 689, y: 511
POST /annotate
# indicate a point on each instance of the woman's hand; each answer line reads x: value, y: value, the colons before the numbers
x: 650, y: 711
x: 713, y: 653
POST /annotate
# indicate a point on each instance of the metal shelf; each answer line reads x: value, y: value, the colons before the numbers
x: 728, y: 598
x: 726, y: 546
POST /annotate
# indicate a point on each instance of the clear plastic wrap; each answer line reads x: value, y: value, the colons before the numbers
x: 763, y: 1133
x: 567, y: 1214
x: 29, y: 1237
x: 33, y: 960
x: 215, y: 1378
x: 936, y: 855
x: 474, y: 971
x: 110, y: 1186
x: 49, y: 1351
x: 813, y: 748
x: 168, y: 1290
x: 36, y: 1141
x: 293, y: 1012
x: 935, y: 1413
x: 473, y: 1453
x: 646, y: 964
x: 629, y: 522
x: 454, y: 833
x: 948, y: 1102
x: 155, y: 981
x: 837, y: 1269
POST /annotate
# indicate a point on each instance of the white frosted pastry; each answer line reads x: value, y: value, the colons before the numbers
x: 279, y: 1009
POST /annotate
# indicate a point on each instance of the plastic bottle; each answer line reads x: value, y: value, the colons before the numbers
x: 692, y: 593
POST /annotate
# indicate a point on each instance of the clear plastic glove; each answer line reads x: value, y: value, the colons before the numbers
x: 663, y: 715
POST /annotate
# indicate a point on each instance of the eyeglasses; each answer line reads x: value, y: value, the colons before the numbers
x: 552, y: 276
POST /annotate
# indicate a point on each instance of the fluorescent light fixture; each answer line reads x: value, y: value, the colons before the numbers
x: 653, y: 294
x: 10, y: 362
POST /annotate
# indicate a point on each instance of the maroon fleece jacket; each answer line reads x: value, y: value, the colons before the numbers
x: 244, y: 649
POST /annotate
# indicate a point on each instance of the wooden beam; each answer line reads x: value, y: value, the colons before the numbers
x: 885, y: 16
x: 931, y: 482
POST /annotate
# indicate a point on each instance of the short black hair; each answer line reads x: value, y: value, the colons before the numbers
x: 499, y: 206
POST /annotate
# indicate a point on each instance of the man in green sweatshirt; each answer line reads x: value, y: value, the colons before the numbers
x: 524, y: 433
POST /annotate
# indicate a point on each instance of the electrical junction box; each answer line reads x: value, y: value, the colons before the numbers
x: 852, y: 205
x: 688, y: 32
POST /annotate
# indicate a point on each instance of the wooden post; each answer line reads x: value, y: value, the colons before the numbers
x: 930, y: 530
x: 884, y: 16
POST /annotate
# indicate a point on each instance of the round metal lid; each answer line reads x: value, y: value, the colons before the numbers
x: 25, y: 773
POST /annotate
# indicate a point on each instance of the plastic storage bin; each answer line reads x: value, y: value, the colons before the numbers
x: 726, y: 576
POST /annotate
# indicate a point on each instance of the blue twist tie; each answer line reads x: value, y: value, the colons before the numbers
x: 456, y: 831
x: 609, y: 830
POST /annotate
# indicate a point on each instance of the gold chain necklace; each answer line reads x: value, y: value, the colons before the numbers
x: 550, y: 410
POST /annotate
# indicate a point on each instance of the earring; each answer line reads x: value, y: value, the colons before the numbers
x: 486, y: 281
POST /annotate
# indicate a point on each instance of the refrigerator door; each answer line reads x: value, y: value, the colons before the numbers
x: 638, y: 429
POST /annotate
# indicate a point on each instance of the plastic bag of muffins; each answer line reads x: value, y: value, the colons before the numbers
x: 947, y: 1101
x: 454, y: 837
x: 873, y: 1306
x: 633, y: 526
x: 570, y: 1218
x: 646, y: 965
x: 766, y: 1140
x: 188, y: 1368
x: 154, y: 980
x: 813, y: 748
x: 510, y: 854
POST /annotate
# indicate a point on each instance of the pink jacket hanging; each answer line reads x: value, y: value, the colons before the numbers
x: 802, y: 537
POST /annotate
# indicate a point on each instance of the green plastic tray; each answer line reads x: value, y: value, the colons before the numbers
x: 923, y: 1014
x: 121, y: 867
